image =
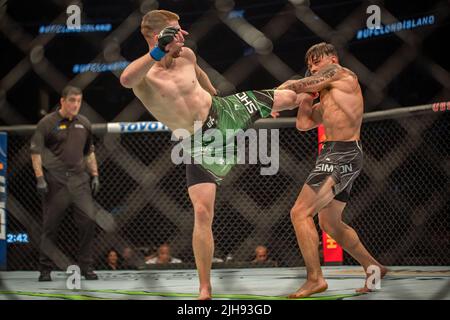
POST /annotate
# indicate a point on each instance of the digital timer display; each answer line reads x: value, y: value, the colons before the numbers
x: 17, y: 238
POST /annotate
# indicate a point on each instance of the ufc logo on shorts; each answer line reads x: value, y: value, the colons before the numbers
x: 210, y: 122
x: 249, y: 105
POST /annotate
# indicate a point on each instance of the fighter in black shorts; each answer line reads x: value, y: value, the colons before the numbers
x: 171, y: 85
x: 328, y: 186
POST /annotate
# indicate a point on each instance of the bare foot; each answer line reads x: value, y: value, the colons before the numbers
x: 309, y: 288
x: 205, y: 294
x: 365, y: 289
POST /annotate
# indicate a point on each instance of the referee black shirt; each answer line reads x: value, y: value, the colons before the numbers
x: 63, y: 143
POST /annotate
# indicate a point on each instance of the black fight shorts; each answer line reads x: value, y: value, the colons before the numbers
x: 342, y: 160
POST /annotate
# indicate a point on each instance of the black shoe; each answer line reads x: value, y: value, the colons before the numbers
x: 89, y: 274
x: 45, y: 276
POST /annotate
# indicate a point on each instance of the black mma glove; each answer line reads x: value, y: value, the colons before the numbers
x: 95, y: 185
x: 165, y: 37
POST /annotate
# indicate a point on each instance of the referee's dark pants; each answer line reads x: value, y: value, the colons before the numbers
x: 74, y: 189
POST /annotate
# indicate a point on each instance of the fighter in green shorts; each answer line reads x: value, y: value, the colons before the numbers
x: 172, y: 86
x: 227, y: 114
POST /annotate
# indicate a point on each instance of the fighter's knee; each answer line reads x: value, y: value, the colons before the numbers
x: 294, y: 212
x: 203, y: 213
x: 300, y: 212
x: 331, y: 228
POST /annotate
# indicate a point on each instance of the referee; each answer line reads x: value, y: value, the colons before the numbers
x: 62, y: 153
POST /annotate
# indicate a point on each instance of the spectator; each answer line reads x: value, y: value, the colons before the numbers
x: 130, y: 260
x: 262, y: 256
x: 149, y: 254
x: 163, y: 256
x: 112, y: 260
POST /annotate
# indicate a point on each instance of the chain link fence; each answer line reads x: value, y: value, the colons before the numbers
x: 399, y: 205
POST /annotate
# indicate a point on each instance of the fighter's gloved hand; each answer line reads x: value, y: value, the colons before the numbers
x: 95, y: 185
x: 165, y: 37
x: 41, y: 186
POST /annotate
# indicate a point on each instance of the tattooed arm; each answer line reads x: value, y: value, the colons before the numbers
x: 321, y: 80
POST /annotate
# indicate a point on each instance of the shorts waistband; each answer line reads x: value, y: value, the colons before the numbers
x: 342, y: 144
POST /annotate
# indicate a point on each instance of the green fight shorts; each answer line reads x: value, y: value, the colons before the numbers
x: 212, y: 149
